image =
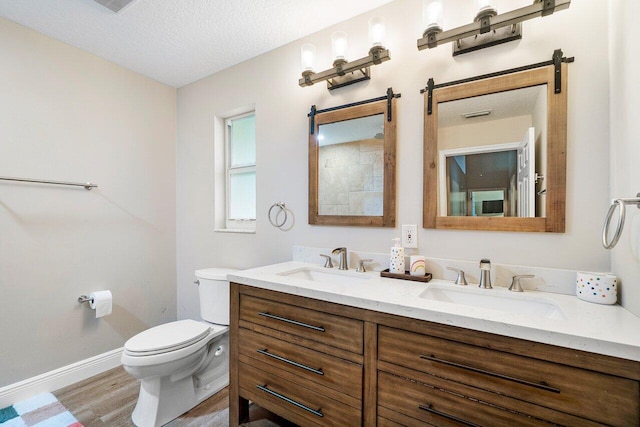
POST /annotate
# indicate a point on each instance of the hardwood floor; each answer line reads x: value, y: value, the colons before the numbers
x: 108, y: 399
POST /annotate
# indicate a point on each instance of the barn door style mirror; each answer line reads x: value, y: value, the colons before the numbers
x: 352, y: 160
x: 495, y: 150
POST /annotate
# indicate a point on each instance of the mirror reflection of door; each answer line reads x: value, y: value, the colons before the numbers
x: 526, y: 175
x: 494, y: 180
x: 481, y: 148
x: 481, y: 181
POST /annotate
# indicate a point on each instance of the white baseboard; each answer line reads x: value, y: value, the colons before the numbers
x: 59, y: 378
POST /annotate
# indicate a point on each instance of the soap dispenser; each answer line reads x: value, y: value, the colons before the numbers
x: 396, y: 262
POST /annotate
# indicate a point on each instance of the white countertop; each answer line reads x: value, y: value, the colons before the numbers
x: 605, y: 329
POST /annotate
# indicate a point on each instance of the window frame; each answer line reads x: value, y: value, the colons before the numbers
x: 241, y: 225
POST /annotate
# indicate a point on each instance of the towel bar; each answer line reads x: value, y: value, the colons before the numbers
x: 607, y: 221
x: 87, y: 185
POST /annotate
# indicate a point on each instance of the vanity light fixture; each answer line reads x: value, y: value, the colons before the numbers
x: 488, y: 27
x: 344, y: 72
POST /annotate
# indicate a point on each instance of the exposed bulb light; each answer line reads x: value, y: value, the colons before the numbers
x: 344, y: 72
x: 488, y: 28
x: 307, y: 58
x: 377, y: 33
x: 485, y: 8
x: 339, y: 47
x: 432, y: 12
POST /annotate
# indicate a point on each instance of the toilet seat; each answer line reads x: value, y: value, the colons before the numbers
x: 167, y: 337
x: 153, y: 354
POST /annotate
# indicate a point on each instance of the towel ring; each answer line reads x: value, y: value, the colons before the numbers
x: 615, y: 203
x: 283, y: 208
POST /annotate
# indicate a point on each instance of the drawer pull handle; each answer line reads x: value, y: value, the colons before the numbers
x: 293, y: 322
x: 451, y: 417
x: 290, y: 362
x: 541, y: 386
x: 317, y: 413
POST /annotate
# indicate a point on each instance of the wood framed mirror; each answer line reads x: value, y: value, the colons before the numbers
x: 352, y: 161
x: 495, y: 151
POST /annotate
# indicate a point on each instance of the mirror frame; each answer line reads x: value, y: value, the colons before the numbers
x: 555, y: 175
x: 388, y: 218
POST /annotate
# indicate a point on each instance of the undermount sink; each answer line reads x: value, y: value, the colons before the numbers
x: 495, y: 299
x: 327, y: 276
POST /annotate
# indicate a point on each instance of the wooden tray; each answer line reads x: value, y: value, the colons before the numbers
x: 406, y: 276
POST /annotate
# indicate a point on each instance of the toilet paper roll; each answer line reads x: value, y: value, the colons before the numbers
x: 101, y: 302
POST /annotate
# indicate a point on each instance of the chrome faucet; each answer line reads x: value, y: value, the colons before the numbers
x: 460, y: 280
x: 361, y: 268
x: 327, y: 262
x: 485, y: 274
x: 515, y: 282
x: 343, y: 258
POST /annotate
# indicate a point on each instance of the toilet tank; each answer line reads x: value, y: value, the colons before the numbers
x: 214, y: 294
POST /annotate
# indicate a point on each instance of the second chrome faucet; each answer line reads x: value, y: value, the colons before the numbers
x: 485, y: 274
x: 342, y: 252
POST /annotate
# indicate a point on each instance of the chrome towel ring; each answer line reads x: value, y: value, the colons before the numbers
x: 615, y: 203
x: 273, y: 220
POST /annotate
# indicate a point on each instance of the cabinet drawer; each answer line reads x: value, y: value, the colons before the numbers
x: 438, y: 407
x: 337, y: 331
x: 321, y: 368
x: 296, y: 402
x: 600, y: 397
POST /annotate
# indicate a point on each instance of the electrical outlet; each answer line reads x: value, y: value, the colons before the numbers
x: 410, y: 236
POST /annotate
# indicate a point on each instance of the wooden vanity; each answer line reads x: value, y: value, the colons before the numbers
x: 318, y: 363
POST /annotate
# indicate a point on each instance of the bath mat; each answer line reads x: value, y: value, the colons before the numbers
x: 43, y: 410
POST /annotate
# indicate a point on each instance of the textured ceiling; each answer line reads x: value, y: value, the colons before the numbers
x: 180, y: 41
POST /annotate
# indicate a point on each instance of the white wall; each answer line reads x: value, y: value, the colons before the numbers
x: 70, y: 116
x: 270, y: 81
x: 625, y: 143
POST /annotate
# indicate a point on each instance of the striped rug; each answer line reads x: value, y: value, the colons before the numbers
x: 43, y: 410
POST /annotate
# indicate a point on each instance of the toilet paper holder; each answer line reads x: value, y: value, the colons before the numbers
x: 84, y: 298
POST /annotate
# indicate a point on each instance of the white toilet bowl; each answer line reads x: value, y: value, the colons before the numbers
x: 180, y: 364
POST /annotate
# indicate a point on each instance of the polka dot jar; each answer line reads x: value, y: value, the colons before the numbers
x: 601, y: 288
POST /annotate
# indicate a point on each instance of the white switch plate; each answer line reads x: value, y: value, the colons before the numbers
x: 410, y: 236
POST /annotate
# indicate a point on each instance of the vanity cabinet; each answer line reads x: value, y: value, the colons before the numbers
x: 320, y: 363
x: 299, y: 360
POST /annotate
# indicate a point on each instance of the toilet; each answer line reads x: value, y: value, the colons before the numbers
x: 180, y: 364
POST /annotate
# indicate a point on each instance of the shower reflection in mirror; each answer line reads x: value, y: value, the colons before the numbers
x: 351, y: 167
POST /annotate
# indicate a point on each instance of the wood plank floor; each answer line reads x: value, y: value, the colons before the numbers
x: 108, y: 399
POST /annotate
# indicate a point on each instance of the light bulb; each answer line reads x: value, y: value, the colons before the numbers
x: 307, y: 57
x: 485, y: 7
x: 432, y: 14
x: 339, y: 45
x: 376, y: 32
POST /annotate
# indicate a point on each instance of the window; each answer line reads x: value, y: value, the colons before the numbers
x: 240, y: 167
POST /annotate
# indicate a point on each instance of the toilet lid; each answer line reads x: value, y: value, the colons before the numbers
x: 167, y: 337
